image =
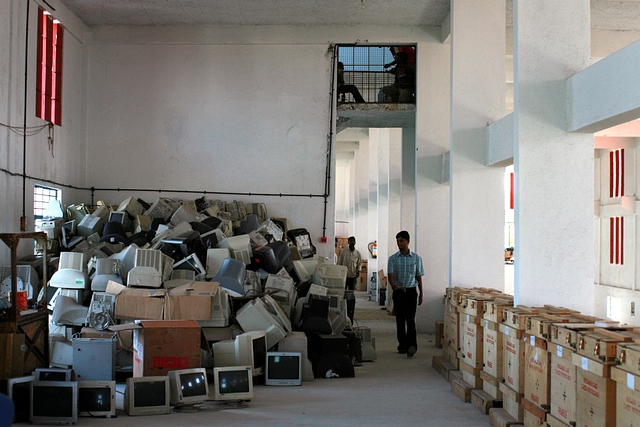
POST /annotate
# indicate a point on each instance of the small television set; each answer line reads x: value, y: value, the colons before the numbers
x: 19, y: 391
x: 251, y: 349
x: 147, y: 396
x: 53, y: 374
x: 188, y: 386
x: 54, y: 402
x: 97, y: 399
x: 283, y: 368
x: 233, y: 383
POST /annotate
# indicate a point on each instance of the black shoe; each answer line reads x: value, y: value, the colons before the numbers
x: 411, y: 351
x: 402, y: 351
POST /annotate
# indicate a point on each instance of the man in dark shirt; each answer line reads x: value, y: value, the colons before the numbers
x: 404, y: 85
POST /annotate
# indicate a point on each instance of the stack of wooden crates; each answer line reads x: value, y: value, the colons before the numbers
x: 539, y: 366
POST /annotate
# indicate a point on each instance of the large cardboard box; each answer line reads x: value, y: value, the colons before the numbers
x: 137, y: 304
x: 191, y: 301
x: 160, y: 346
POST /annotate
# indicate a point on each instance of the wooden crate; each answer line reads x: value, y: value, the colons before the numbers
x: 473, y: 304
x: 455, y: 374
x: 451, y: 356
x: 536, y: 372
x: 494, y: 311
x: 563, y: 383
x: 602, y: 344
x: 483, y: 401
x: 471, y: 340
x: 566, y: 334
x: 441, y: 366
x: 533, y: 415
x: 492, y: 349
x: 554, y: 422
x: 627, y: 397
x: 471, y: 375
x: 461, y: 389
x: 540, y: 324
x: 629, y: 358
x: 12, y: 350
x: 516, y: 317
x: 511, y: 402
x: 595, y: 395
x: 451, y: 326
x: 439, y: 333
x: 513, y: 357
x: 490, y: 385
x: 501, y: 418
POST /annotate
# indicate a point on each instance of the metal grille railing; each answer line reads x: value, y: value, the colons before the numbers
x: 364, y: 68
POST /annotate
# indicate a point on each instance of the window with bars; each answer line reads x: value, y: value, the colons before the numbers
x: 616, y: 240
x: 364, y: 67
x: 49, y: 69
x: 616, y: 173
x: 42, y: 195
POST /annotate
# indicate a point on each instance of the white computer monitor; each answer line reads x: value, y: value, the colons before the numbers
x: 54, y: 402
x: 188, y: 386
x: 19, y: 391
x: 97, y: 399
x: 283, y: 368
x: 239, y: 246
x: 251, y: 349
x: 53, y: 374
x: 255, y: 316
x: 147, y: 396
x: 233, y: 383
x: 332, y: 276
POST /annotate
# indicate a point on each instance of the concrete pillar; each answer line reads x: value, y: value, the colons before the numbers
x: 372, y: 181
x: 553, y: 168
x: 477, y: 98
x: 383, y: 194
x: 408, y: 214
x: 431, y: 239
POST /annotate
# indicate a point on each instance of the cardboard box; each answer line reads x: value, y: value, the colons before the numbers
x: 160, y: 346
x: 191, y: 301
x: 137, y: 304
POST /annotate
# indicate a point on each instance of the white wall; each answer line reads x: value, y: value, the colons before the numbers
x: 61, y: 163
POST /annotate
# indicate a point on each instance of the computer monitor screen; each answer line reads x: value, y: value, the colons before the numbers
x: 96, y: 398
x: 251, y: 349
x: 188, y: 386
x: 147, y: 396
x: 19, y: 391
x: 233, y: 383
x: 117, y: 217
x: 53, y: 374
x: 283, y: 368
x: 54, y: 402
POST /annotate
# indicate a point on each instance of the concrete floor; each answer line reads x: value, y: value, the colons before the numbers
x: 393, y: 390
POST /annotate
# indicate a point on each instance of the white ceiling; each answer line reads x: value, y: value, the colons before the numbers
x: 622, y: 15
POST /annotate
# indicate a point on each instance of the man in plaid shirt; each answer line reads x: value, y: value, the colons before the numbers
x: 404, y: 275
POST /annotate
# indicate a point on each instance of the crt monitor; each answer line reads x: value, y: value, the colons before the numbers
x: 54, y: 402
x: 97, y: 399
x: 53, y: 374
x: 251, y: 349
x: 272, y: 256
x: 233, y: 383
x: 147, y: 396
x: 283, y: 368
x: 19, y: 391
x: 188, y: 386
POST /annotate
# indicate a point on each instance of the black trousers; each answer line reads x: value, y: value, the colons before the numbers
x: 405, y: 304
x: 351, y: 283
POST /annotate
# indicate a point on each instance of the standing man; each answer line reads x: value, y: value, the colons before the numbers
x: 351, y: 258
x: 404, y: 275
